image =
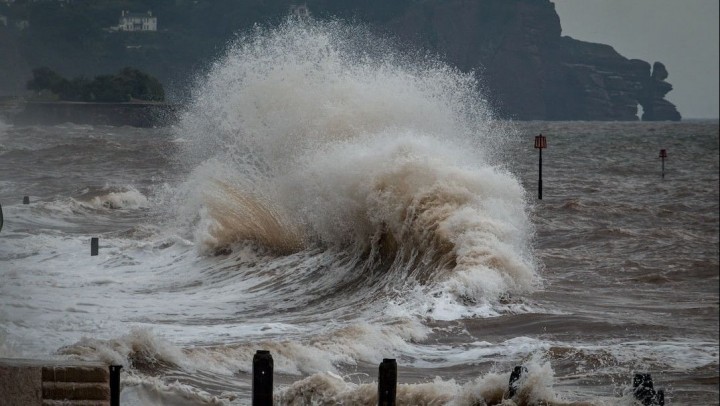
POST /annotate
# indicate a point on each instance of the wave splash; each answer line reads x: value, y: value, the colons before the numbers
x: 148, y: 356
x: 321, y: 134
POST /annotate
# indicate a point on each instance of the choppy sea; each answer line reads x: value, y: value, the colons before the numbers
x: 337, y: 202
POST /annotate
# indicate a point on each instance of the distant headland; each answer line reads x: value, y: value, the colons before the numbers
x: 129, y: 97
x: 526, y: 68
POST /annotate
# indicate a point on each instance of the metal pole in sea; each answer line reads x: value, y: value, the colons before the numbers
x: 540, y: 144
x: 663, y: 155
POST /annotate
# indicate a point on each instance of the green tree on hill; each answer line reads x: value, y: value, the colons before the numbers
x: 45, y: 78
x: 140, y: 85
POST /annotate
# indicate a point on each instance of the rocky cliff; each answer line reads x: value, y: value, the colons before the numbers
x: 528, y: 69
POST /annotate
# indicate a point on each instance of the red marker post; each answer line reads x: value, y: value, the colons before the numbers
x: 663, y: 155
x: 540, y: 144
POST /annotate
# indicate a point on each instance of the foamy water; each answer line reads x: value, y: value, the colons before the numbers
x: 338, y: 202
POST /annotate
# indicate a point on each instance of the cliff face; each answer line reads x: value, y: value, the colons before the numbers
x: 530, y: 71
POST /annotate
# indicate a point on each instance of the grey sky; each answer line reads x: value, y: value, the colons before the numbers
x: 682, y: 34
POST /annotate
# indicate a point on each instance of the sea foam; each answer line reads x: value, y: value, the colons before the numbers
x: 319, y: 134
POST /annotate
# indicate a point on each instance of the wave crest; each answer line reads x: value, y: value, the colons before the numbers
x: 421, y: 204
x: 239, y: 216
x: 314, y: 134
x: 113, y: 198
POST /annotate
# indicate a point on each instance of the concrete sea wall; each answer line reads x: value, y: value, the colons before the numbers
x: 47, y: 383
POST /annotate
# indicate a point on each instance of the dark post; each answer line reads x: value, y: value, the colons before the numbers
x: 540, y: 175
x: 643, y: 389
x: 115, y: 385
x: 1, y: 217
x: 660, y: 397
x: 540, y: 144
x: 663, y: 155
x: 26, y: 199
x: 262, y: 385
x: 94, y: 246
x: 514, y: 378
x: 387, y: 382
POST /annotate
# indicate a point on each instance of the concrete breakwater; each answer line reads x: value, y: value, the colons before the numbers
x: 33, y: 382
x: 116, y: 114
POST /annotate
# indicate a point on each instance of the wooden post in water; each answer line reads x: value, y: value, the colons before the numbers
x: 387, y: 382
x: 262, y: 384
x: 115, y: 385
x: 660, y: 397
x: 514, y: 385
x: 26, y: 199
x: 94, y: 246
x: 645, y: 393
x: 540, y: 144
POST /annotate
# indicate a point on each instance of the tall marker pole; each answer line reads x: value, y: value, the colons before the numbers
x: 663, y: 155
x: 540, y: 144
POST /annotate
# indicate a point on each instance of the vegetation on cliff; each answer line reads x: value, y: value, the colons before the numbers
x: 527, y: 69
x: 128, y: 84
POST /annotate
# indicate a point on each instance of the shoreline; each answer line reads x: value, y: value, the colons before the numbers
x: 133, y: 114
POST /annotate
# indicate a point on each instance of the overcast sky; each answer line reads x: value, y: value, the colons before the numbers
x: 682, y: 34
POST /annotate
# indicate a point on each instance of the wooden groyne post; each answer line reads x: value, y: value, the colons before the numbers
x: 387, y: 382
x: 94, y: 246
x: 514, y: 383
x: 262, y: 383
x: 644, y: 391
x: 115, y: 384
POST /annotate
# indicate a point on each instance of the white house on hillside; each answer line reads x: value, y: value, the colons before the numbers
x: 137, y: 21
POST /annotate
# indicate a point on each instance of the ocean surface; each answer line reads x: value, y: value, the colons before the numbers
x: 337, y: 202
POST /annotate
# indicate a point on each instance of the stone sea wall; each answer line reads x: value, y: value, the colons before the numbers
x: 46, y: 383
